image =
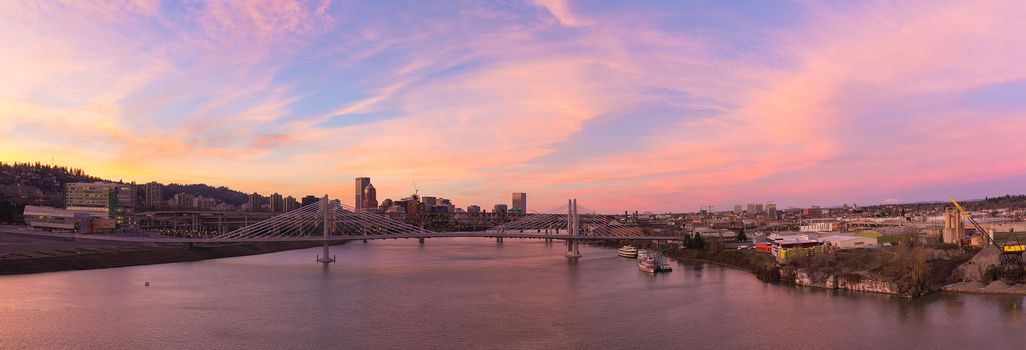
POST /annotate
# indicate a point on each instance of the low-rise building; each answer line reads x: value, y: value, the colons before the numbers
x: 101, y: 225
x: 763, y: 247
x: 849, y: 242
x: 787, y: 247
x: 820, y: 227
x: 55, y: 219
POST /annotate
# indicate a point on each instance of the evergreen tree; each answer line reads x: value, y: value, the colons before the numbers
x: 741, y: 236
x: 697, y: 242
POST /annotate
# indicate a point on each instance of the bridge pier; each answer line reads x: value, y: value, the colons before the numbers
x: 421, y: 240
x: 498, y: 240
x: 326, y: 212
x: 572, y: 249
x: 325, y: 259
x: 573, y: 229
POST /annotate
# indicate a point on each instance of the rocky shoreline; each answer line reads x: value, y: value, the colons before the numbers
x: 765, y: 269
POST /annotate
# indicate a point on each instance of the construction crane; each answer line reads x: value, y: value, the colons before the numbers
x: 1011, y: 258
x: 969, y: 216
x: 1007, y: 247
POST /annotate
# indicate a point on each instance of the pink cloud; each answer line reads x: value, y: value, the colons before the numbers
x: 562, y: 12
x: 808, y: 127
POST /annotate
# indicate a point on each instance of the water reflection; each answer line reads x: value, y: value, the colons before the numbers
x: 475, y: 293
x: 1013, y: 306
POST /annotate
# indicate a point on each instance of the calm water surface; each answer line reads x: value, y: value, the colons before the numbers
x: 474, y: 293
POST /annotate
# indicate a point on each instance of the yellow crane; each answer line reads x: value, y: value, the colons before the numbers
x: 1006, y: 247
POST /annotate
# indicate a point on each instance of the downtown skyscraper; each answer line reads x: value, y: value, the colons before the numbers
x: 519, y: 202
x: 361, y: 185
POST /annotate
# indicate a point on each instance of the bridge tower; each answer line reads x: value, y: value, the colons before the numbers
x: 328, y: 224
x: 573, y: 228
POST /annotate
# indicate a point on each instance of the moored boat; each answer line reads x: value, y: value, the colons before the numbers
x: 627, y: 252
x: 647, y: 264
x: 664, y: 266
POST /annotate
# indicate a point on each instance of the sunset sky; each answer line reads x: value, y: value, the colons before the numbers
x: 625, y: 105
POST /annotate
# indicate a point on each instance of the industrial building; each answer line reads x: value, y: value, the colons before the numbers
x: 953, y: 230
x: 849, y: 242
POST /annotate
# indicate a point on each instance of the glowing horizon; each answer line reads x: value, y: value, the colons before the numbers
x: 654, y: 106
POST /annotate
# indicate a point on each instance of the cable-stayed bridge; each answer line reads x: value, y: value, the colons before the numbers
x: 331, y: 222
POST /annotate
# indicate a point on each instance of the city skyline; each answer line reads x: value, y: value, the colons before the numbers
x: 654, y: 107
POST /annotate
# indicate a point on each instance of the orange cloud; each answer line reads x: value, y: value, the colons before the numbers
x: 860, y: 100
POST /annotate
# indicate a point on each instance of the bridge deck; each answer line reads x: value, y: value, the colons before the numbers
x: 330, y: 239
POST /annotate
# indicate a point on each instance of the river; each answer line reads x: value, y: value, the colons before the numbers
x: 474, y: 293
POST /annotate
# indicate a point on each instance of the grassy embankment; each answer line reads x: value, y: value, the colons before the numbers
x: 1011, y: 237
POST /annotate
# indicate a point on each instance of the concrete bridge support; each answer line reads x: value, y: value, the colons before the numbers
x: 326, y: 212
x: 421, y: 240
x: 498, y: 240
x: 573, y: 229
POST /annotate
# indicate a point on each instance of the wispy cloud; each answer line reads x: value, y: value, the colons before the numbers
x: 561, y: 10
x: 642, y: 106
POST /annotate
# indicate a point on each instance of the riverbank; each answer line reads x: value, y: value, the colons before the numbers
x: 88, y: 258
x: 759, y: 264
x: 870, y: 271
x: 996, y: 287
x: 985, y: 274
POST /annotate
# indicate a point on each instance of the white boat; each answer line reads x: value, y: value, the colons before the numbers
x: 647, y: 264
x: 652, y: 263
x: 627, y: 252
